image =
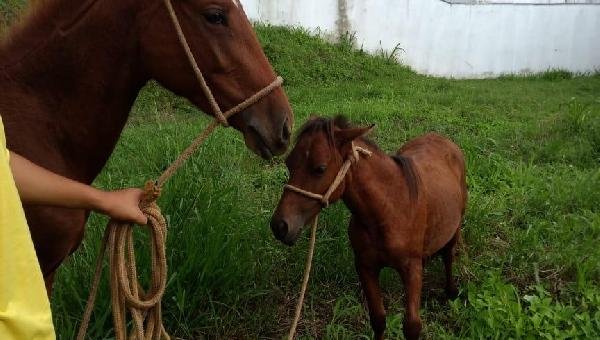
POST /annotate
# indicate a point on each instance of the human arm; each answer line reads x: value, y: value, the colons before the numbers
x: 38, y: 186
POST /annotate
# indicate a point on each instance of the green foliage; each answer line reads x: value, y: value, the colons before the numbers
x: 496, y: 310
x: 549, y: 75
x: 310, y: 60
x: 8, y: 11
x: 570, y: 135
x: 348, y: 314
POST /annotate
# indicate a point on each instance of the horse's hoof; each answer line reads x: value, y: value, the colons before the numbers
x: 452, y: 292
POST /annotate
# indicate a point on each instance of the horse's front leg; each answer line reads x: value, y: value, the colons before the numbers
x: 56, y: 233
x: 368, y: 268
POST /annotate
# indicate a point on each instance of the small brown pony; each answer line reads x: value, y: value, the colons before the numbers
x: 71, y: 70
x: 405, y: 208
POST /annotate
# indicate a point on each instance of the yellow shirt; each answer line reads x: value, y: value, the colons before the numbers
x: 24, y: 306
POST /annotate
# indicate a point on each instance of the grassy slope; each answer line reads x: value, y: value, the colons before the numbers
x: 531, y: 264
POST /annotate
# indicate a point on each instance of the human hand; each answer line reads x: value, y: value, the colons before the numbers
x: 123, y: 205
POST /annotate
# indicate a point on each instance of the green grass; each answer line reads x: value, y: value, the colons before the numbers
x: 9, y: 9
x: 531, y: 264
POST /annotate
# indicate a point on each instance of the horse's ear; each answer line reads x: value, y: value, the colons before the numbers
x: 348, y: 135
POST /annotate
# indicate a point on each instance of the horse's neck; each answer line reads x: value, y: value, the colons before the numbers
x: 66, y: 96
x: 369, y: 185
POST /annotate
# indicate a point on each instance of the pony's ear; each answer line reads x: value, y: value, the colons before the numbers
x: 344, y: 136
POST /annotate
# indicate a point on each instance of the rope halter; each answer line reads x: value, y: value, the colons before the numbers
x: 219, y: 115
x: 354, y: 157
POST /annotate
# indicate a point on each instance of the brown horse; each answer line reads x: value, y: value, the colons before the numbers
x: 405, y: 208
x: 70, y: 72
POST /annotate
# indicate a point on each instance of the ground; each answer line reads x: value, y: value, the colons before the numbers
x: 530, y: 264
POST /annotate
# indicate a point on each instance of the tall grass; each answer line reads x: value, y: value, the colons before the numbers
x: 531, y: 263
x: 8, y: 12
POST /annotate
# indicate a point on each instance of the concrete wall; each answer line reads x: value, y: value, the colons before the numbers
x: 456, y: 38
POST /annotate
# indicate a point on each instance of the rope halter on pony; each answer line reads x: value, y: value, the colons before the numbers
x: 354, y: 157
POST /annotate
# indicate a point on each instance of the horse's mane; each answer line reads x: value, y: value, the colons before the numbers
x: 33, y: 11
x: 37, y: 12
x: 328, y: 125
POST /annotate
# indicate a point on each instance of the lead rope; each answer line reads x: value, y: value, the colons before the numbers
x: 127, y: 293
x: 307, y: 268
x: 324, y: 199
x: 188, y: 52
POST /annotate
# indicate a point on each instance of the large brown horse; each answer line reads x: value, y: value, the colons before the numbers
x: 405, y: 208
x: 70, y: 72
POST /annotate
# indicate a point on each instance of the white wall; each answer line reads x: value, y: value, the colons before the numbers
x: 462, y: 39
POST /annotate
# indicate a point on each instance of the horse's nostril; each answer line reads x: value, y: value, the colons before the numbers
x: 285, y: 132
x: 282, y: 229
x: 279, y: 228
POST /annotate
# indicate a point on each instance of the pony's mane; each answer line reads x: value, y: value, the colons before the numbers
x: 328, y: 125
x: 412, y: 178
x: 317, y: 124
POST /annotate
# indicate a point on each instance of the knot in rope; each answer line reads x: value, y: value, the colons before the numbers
x: 152, y: 191
x: 357, y: 151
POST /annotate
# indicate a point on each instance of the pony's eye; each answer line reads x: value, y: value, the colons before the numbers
x: 216, y: 17
x: 320, y: 169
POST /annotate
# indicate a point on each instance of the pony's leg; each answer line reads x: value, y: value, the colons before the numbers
x: 369, y: 281
x: 411, y: 271
x: 448, y: 254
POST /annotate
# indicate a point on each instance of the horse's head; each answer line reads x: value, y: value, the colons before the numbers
x: 231, y: 59
x: 313, y: 164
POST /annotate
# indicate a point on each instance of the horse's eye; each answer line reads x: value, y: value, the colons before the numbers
x: 320, y: 169
x: 216, y: 17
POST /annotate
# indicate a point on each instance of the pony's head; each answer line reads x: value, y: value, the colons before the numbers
x: 321, y: 148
